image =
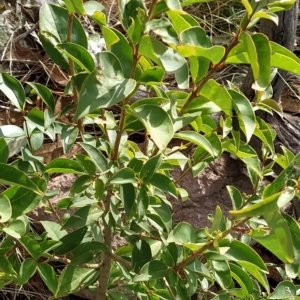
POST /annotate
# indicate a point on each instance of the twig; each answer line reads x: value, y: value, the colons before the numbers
x: 25, y: 34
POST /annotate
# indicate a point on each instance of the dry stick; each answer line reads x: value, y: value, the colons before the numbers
x: 210, y: 244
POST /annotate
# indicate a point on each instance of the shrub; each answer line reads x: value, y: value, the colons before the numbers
x: 121, y: 189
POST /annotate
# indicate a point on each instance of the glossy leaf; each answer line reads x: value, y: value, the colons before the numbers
x: 222, y: 273
x: 13, y: 90
x: 5, y: 209
x: 157, y: 122
x: 100, y: 91
x: 83, y: 217
x: 11, y: 176
x: 78, y: 54
x: 235, y: 196
x: 163, y: 183
x: 245, y: 113
x: 32, y: 247
x: 153, y: 270
x: 197, y: 139
x: 127, y: 193
x: 166, y: 57
x: 27, y: 270
x: 70, y: 241
x: 64, y: 165
x: 125, y: 175
x: 141, y: 254
x: 279, y: 226
x: 182, y: 233
x: 48, y: 276
x: 75, y: 6
x: 267, y: 205
x: 150, y: 167
x: 44, y: 93
x: 86, y: 163
x: 74, y: 278
x: 96, y: 155
x: 284, y: 290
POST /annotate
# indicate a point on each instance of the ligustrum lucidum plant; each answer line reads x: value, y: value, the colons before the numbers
x: 124, y: 189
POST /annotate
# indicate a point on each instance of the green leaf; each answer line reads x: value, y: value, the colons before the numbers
x: 197, y: 44
x: 86, y: 163
x: 218, y: 95
x: 79, y: 55
x: 157, y: 122
x: 248, y: 7
x: 85, y: 252
x: 64, y: 166
x: 48, y: 275
x: 70, y: 241
x: 125, y: 175
x: 7, y: 268
x: 245, y: 113
x: 22, y: 200
x: 100, y: 91
x: 53, y: 230
x: 5, y: 209
x: 44, y: 93
x: 197, y: 139
x: 284, y: 290
x: 266, y: 205
x: 68, y: 136
x: 32, y: 247
x: 168, y: 58
x: 189, y: 2
x: 141, y: 254
x: 222, y: 273
x: 13, y: 90
x: 163, y: 183
x: 263, y: 50
x: 178, y: 20
x: 27, y: 270
x: 284, y: 59
x: 75, y: 6
x: 110, y: 64
x: 54, y: 27
x: 235, y: 196
x: 219, y: 223
x: 119, y: 46
x: 96, y: 155
x: 152, y: 270
x: 83, y: 217
x: 127, y: 194
x: 279, y: 226
x: 12, y: 176
x: 243, y: 279
x: 74, y: 278
x: 182, y: 233
x: 150, y: 167
x: 117, y: 296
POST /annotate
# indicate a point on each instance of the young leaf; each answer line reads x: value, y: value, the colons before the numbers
x: 235, y: 196
x: 75, y: 6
